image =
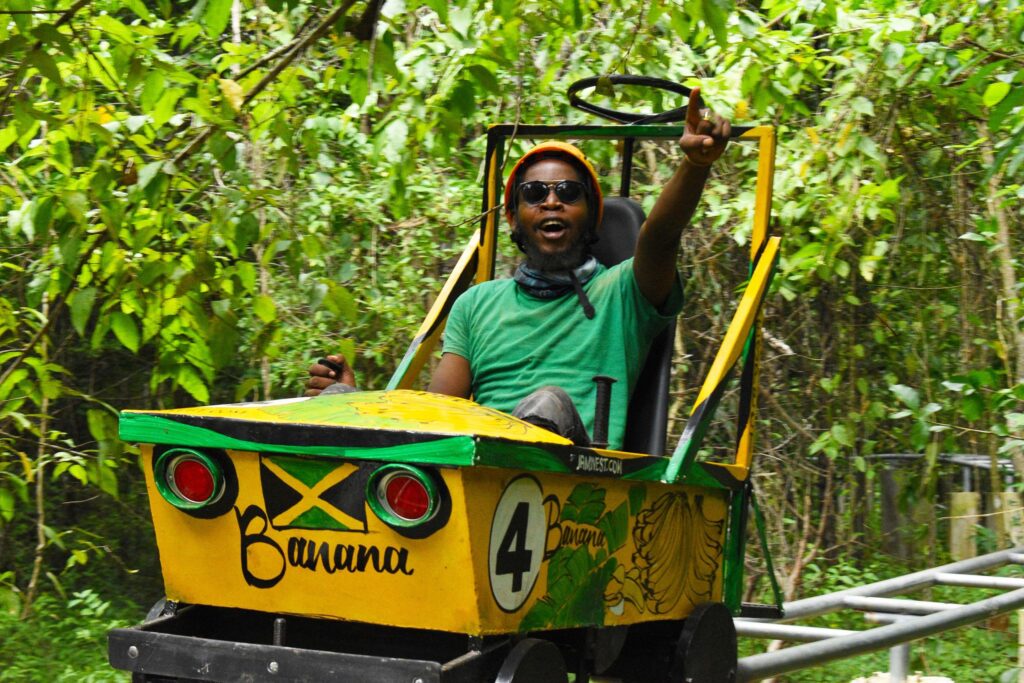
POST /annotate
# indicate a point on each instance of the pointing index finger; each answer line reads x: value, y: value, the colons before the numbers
x: 693, y: 109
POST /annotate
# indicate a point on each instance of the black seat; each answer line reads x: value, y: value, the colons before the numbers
x: 647, y: 420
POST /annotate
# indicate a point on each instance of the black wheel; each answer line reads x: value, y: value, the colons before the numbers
x: 647, y: 653
x: 533, y: 660
x: 607, y: 646
x: 706, y: 650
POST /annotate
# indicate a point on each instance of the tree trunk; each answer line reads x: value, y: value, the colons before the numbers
x: 40, y: 485
x: 1010, y: 298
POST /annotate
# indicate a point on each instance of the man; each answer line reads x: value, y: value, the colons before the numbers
x: 531, y: 345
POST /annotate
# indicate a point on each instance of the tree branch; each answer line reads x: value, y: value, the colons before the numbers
x: 278, y: 51
x: 64, y: 18
x: 289, y: 57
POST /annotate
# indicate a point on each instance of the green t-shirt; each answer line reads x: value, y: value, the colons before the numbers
x: 516, y: 343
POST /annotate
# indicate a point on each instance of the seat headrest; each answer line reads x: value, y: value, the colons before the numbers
x: 618, y: 231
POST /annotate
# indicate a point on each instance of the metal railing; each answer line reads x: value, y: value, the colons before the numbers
x: 903, y: 620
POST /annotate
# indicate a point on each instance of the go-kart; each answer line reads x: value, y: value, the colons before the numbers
x: 404, y: 536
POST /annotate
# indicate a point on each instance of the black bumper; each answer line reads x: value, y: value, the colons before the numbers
x: 207, y: 644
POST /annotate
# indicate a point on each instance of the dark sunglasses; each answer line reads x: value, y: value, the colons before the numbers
x: 536, y: 191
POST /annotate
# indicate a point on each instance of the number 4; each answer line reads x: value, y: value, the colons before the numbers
x: 513, y: 556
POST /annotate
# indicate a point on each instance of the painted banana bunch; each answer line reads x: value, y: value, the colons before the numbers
x: 673, y: 530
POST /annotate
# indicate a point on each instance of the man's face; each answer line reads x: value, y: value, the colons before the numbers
x: 553, y: 231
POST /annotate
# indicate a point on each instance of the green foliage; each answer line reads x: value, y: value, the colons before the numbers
x: 576, y: 578
x: 191, y: 212
x: 61, y: 641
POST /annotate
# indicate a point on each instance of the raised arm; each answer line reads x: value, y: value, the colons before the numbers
x: 703, y: 141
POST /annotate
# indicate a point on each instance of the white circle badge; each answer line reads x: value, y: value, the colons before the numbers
x: 517, y: 542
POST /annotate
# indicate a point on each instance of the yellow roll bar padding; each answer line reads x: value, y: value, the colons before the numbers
x: 736, y: 336
x: 765, y: 135
x: 430, y: 331
x: 762, y: 212
x: 742, y: 322
x: 489, y: 238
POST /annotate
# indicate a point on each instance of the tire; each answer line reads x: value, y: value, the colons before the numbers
x: 706, y: 649
x: 533, y: 660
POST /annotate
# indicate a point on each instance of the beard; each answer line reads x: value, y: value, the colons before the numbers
x: 571, y: 258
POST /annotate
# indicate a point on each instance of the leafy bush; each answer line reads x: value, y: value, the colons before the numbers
x: 59, y: 641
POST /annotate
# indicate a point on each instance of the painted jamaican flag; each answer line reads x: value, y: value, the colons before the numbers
x: 301, y: 493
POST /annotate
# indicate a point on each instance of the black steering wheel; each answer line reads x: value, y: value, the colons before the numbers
x: 677, y: 114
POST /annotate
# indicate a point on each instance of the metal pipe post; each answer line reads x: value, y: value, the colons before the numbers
x: 822, y: 604
x: 757, y: 667
x: 899, y: 663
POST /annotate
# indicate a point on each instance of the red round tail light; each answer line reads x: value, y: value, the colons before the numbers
x: 192, y: 480
x: 188, y: 479
x: 407, y: 497
x: 402, y: 495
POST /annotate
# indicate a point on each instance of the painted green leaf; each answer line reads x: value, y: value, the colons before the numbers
x: 540, y: 616
x: 615, y: 525
x: 585, y: 504
x: 561, y: 580
x: 637, y: 496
